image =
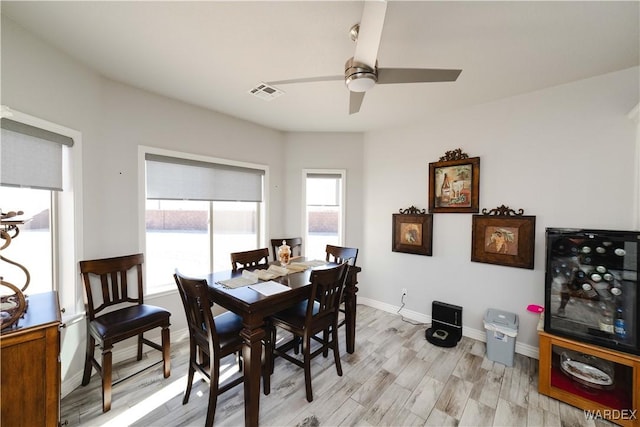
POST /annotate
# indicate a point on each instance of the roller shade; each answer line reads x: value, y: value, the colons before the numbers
x: 323, y: 189
x: 31, y: 156
x: 170, y: 178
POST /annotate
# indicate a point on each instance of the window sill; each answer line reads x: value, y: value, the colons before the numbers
x: 161, y: 291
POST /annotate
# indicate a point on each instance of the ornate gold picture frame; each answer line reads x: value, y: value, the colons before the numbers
x: 502, y: 236
x: 412, y: 231
x: 454, y: 183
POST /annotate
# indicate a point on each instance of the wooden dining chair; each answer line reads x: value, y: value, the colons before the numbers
x: 338, y: 255
x: 210, y: 340
x: 295, y: 243
x: 115, y: 312
x: 251, y: 258
x: 306, y: 320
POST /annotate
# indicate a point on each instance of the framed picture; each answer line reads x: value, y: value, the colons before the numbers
x: 454, y: 185
x: 412, y: 231
x: 503, y: 237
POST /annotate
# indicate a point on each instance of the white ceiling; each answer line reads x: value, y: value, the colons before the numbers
x: 211, y: 53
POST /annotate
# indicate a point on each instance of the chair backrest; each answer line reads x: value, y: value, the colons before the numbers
x: 249, y: 258
x: 197, y: 308
x: 326, y: 289
x: 110, y: 281
x: 340, y: 254
x: 294, y: 242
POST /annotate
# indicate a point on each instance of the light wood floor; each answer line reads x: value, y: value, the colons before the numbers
x: 394, y: 378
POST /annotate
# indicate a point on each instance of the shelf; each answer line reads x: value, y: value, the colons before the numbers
x: 618, y: 402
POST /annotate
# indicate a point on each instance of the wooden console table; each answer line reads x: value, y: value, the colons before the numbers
x: 619, y: 403
x: 30, y: 365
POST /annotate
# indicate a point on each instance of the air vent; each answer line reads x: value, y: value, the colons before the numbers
x: 266, y: 92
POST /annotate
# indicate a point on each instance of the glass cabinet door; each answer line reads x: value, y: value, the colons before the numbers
x: 592, y: 287
x: 603, y: 381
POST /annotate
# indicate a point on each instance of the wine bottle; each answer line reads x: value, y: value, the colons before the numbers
x: 445, y: 190
x: 606, y: 321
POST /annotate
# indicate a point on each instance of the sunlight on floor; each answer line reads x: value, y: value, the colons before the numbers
x: 162, y: 396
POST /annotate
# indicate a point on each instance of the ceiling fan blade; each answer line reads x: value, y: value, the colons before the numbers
x: 370, y: 32
x: 355, y: 101
x: 307, y: 80
x: 416, y: 75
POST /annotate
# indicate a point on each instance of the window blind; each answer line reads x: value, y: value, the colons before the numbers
x: 323, y: 189
x: 31, y: 156
x: 316, y: 175
x: 170, y: 178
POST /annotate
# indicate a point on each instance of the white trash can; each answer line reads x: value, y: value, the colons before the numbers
x: 502, y: 329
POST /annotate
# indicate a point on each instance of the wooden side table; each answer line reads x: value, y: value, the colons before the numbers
x: 30, y: 365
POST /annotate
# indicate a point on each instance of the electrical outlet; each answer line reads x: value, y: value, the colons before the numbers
x: 404, y: 291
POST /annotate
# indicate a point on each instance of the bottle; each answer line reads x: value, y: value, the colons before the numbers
x: 284, y: 253
x: 606, y: 321
x: 445, y: 189
x: 619, y: 325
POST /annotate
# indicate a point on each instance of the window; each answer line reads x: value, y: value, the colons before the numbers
x: 323, y: 210
x: 33, y: 246
x: 197, y: 211
x: 38, y: 175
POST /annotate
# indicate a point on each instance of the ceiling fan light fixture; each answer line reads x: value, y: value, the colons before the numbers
x: 359, y: 77
x: 361, y: 82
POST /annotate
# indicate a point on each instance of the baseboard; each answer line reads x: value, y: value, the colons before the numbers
x: 476, y: 334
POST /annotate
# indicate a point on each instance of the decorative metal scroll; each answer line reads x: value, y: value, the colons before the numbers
x: 12, y: 304
x: 503, y: 210
x: 412, y: 210
x: 456, y: 154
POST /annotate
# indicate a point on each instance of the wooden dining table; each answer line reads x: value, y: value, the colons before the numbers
x: 254, y: 307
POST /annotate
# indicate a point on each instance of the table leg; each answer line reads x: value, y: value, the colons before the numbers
x: 252, y: 365
x: 350, y: 312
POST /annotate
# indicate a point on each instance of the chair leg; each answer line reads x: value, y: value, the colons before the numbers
x: 213, y: 393
x: 140, y: 338
x: 193, y: 356
x: 88, y: 359
x: 325, y: 340
x: 106, y: 377
x: 187, y: 390
x: 336, y: 349
x: 269, y: 344
x: 306, y: 352
x: 266, y: 376
x: 166, y: 351
x: 267, y: 367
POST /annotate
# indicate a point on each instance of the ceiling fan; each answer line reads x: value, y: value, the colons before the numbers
x: 362, y: 72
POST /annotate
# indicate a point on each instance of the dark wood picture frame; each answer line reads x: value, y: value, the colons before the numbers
x: 412, y: 231
x: 454, y: 184
x: 503, y: 237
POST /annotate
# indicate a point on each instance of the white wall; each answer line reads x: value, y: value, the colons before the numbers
x: 565, y: 155
x: 114, y: 119
x: 308, y: 150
